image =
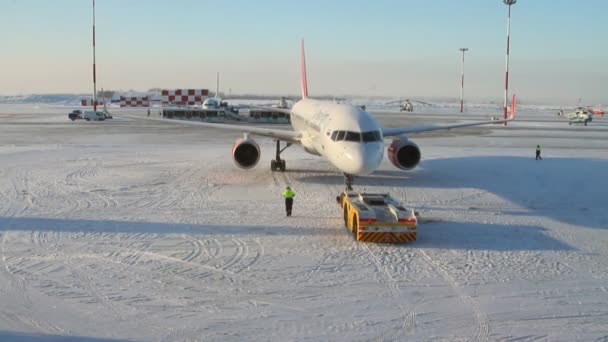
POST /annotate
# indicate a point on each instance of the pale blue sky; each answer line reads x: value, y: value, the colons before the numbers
x: 559, y: 49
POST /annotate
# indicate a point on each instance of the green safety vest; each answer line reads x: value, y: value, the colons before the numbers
x: 289, y: 193
x: 538, y: 149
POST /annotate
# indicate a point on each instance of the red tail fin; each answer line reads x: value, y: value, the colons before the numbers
x: 304, y: 82
x: 513, y: 103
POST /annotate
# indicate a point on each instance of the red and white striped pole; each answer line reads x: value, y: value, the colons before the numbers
x: 508, y: 3
x: 462, y: 81
x: 94, y: 74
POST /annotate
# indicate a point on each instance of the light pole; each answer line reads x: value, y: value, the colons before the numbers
x: 462, y: 81
x: 94, y: 75
x: 508, y: 3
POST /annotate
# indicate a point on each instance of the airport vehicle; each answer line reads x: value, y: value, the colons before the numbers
x: 377, y: 217
x: 349, y: 137
x: 94, y: 116
x: 107, y: 115
x: 580, y: 115
x: 75, y: 114
x: 189, y: 113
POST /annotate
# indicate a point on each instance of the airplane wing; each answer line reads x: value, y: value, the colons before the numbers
x: 284, y: 135
x: 388, y: 132
x: 269, y: 109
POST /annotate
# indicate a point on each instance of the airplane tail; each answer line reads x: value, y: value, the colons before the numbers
x: 304, y: 81
x: 103, y: 97
x: 217, y: 85
x: 513, y: 106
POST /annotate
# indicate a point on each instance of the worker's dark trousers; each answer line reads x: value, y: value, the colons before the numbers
x: 288, y: 205
x: 538, y: 155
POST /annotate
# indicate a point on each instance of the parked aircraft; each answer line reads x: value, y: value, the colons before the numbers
x: 349, y: 137
x: 215, y: 102
x: 596, y: 111
x: 407, y: 105
x: 580, y: 115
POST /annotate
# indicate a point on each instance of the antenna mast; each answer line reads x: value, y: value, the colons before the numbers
x: 94, y: 74
x: 217, y: 85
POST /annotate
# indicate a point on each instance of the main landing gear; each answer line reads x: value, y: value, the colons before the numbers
x: 348, y: 180
x: 278, y: 164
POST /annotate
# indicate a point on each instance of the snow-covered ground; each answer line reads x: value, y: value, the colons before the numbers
x: 134, y: 230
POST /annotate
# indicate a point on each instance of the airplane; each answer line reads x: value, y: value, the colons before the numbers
x: 347, y: 136
x: 596, y: 111
x: 215, y: 102
x: 581, y: 115
x: 407, y: 105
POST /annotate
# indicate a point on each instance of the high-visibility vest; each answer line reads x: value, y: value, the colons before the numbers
x: 538, y: 149
x: 289, y: 193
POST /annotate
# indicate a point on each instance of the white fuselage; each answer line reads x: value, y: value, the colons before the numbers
x: 211, y: 103
x: 349, y: 137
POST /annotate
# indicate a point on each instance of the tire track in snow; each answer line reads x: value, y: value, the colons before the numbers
x: 16, y: 282
x: 408, y: 314
x: 482, y: 324
x: 96, y: 293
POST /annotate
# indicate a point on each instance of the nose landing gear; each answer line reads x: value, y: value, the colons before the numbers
x: 348, y: 181
x: 278, y: 164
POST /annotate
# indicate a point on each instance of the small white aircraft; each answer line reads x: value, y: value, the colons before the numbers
x: 347, y: 136
x: 215, y: 102
x: 580, y: 115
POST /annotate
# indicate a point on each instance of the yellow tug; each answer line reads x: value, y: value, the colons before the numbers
x: 377, y: 217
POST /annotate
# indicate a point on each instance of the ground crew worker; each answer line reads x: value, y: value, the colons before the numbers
x: 538, y: 153
x: 289, y: 195
x: 148, y: 111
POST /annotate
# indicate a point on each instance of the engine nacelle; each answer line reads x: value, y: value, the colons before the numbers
x: 246, y: 153
x: 404, y: 153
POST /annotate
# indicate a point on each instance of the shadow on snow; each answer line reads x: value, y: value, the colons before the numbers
x: 10, y: 336
x: 441, y: 234
x: 569, y: 190
x: 141, y: 227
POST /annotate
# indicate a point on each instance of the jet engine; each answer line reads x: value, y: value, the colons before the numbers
x: 404, y: 153
x: 246, y: 153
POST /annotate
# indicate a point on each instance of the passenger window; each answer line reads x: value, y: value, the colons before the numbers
x: 340, y: 136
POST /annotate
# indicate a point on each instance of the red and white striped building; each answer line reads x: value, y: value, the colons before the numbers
x: 89, y: 102
x: 189, y: 97
x: 135, y: 101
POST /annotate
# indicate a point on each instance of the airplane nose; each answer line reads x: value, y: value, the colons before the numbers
x: 362, y: 159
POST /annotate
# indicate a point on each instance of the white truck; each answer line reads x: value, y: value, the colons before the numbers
x: 94, y: 116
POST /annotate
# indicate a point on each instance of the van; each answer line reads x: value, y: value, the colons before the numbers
x: 75, y: 114
x: 95, y: 116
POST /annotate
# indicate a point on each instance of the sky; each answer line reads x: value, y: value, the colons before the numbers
x: 401, y: 48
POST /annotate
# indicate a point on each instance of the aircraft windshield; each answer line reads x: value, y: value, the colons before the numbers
x: 352, y: 136
x: 365, y: 137
x: 371, y: 136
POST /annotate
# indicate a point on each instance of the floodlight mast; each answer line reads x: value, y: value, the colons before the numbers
x: 508, y: 3
x: 94, y: 74
x: 462, y: 81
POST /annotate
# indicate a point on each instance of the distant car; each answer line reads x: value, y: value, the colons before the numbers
x: 108, y: 115
x: 95, y: 116
x: 75, y: 114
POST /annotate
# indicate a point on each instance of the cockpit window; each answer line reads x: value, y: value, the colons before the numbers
x: 340, y: 136
x: 353, y: 136
x: 371, y: 136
